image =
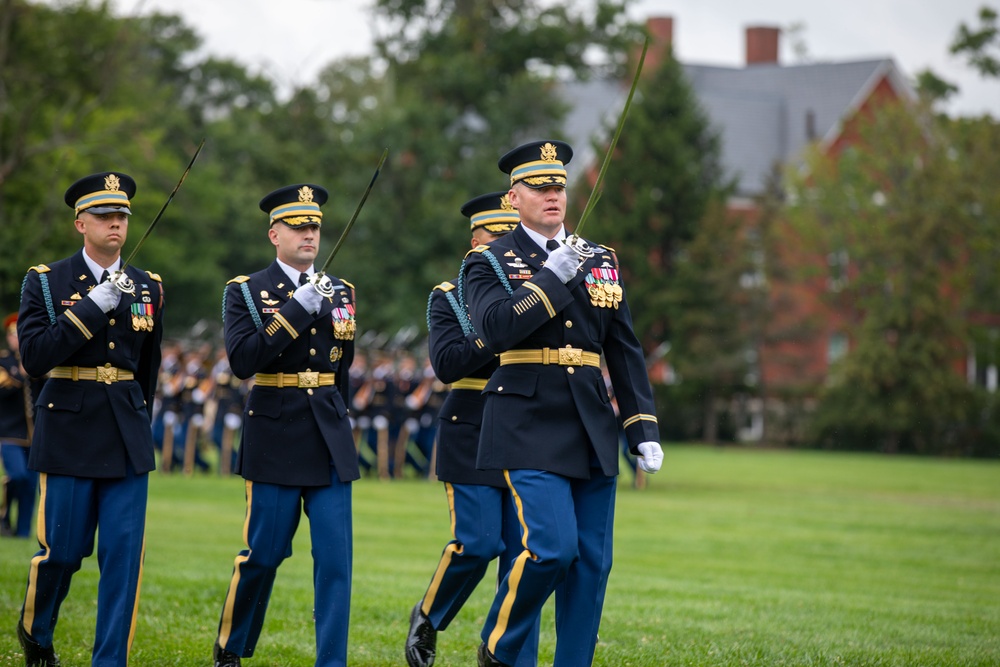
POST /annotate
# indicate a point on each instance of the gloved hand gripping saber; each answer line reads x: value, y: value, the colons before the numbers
x: 575, y: 241
x: 119, y: 277
x: 319, y: 279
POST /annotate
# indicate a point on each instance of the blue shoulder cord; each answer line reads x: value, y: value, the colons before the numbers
x: 250, y: 305
x: 46, y: 293
x: 460, y: 305
x: 460, y: 313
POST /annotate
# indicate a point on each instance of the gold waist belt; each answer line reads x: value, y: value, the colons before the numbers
x: 562, y: 356
x: 477, y: 384
x: 303, y: 379
x: 106, y: 374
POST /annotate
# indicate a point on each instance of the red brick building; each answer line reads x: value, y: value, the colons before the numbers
x: 767, y: 115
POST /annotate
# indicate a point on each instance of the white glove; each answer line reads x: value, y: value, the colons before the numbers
x: 563, y: 262
x: 232, y: 421
x: 651, y: 456
x: 106, y: 296
x: 309, y: 298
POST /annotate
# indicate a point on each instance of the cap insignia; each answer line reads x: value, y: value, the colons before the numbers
x: 548, y: 152
x: 505, y: 204
x: 112, y: 183
x: 305, y: 193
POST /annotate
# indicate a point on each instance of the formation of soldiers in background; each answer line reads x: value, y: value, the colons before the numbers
x: 395, y: 400
x: 199, y: 409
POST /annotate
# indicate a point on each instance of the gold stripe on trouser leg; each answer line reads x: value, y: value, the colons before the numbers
x: 516, y: 571
x: 138, y: 590
x: 452, y: 549
x: 227, y: 609
x: 29, y: 598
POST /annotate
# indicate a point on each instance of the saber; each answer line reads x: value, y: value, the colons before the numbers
x: 575, y: 241
x: 119, y: 277
x: 319, y: 279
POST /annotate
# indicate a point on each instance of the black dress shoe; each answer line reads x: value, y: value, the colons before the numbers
x: 421, y: 642
x: 224, y: 658
x: 486, y: 658
x: 35, y: 655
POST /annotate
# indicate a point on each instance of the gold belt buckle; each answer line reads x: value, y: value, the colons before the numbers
x: 107, y: 375
x: 309, y: 379
x: 570, y: 356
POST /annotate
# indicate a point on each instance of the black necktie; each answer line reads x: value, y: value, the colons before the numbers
x: 104, y: 277
x: 551, y: 244
x: 303, y: 278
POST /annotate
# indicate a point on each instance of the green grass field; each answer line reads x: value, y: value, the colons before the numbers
x: 730, y: 557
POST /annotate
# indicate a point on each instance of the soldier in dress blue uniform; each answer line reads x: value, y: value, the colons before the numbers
x: 484, y: 524
x: 297, y: 451
x: 17, y: 393
x: 93, y: 443
x: 550, y: 313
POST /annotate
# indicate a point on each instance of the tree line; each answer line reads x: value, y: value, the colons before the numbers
x: 448, y: 87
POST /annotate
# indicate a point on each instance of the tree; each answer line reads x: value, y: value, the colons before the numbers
x: 894, y: 205
x: 662, y: 208
x: 82, y: 91
x: 452, y: 86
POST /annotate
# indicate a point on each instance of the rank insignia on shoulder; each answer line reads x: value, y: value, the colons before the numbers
x: 445, y: 286
x: 41, y: 268
x: 239, y: 279
x: 349, y: 285
x: 478, y: 248
x: 155, y: 276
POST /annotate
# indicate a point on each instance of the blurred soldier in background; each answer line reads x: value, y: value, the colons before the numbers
x: 17, y: 407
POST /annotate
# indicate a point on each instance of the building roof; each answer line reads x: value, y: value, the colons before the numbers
x: 766, y: 114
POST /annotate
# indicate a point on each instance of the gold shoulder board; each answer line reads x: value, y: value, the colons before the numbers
x: 41, y: 268
x: 445, y: 286
x: 239, y: 279
x: 154, y: 276
x: 478, y: 248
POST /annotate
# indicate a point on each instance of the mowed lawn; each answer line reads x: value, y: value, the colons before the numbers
x: 729, y: 557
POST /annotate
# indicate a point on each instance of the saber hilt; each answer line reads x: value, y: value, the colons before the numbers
x: 320, y: 280
x: 575, y: 241
x: 119, y: 277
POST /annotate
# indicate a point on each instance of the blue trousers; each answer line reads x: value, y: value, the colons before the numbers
x: 272, y: 517
x: 567, y: 527
x: 21, y: 486
x: 70, y: 511
x: 484, y: 526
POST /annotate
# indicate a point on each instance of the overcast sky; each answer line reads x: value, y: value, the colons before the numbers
x: 291, y: 40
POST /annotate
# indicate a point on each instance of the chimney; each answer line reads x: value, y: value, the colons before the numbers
x: 762, y: 45
x: 661, y: 37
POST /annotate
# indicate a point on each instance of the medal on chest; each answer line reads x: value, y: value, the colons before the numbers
x: 142, y: 316
x: 343, y: 322
x: 603, y: 287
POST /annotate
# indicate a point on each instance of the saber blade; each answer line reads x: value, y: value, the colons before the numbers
x: 125, y: 283
x: 323, y: 284
x: 575, y: 241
